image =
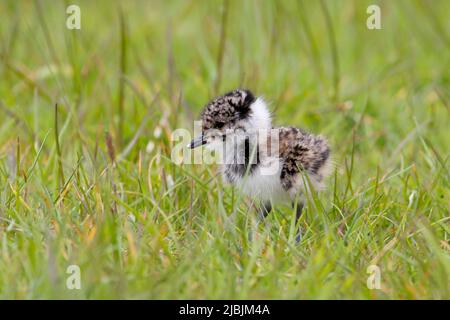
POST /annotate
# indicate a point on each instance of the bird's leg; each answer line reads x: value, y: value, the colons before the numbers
x: 264, y: 210
x: 298, y: 214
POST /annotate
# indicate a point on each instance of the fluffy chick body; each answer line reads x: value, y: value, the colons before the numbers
x: 302, y: 160
x: 271, y: 175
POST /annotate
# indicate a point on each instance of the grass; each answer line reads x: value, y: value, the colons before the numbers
x: 85, y: 170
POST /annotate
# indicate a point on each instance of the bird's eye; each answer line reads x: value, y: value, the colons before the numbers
x: 219, y: 125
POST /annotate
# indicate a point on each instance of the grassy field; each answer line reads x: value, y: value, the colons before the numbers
x: 86, y: 177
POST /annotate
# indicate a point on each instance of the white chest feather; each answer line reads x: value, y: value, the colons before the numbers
x: 263, y: 183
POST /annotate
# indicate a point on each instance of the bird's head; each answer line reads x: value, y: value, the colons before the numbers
x: 237, y: 110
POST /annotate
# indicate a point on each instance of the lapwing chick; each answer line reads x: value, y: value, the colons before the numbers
x: 270, y: 164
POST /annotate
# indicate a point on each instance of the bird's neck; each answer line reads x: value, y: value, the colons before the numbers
x: 242, y: 156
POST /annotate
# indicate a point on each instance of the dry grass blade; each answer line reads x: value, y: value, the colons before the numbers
x: 58, y: 149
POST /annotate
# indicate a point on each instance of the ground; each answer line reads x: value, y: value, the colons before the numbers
x: 87, y: 179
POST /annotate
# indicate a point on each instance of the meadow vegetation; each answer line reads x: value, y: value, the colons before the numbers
x: 85, y: 142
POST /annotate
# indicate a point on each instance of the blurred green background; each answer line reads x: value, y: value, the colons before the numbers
x: 90, y: 182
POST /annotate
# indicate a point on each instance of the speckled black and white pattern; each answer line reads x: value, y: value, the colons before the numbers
x: 298, y: 151
x: 226, y: 110
x: 301, y: 151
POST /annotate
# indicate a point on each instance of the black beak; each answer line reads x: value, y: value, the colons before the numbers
x: 197, y: 142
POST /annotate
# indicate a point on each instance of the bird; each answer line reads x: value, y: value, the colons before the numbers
x: 272, y: 165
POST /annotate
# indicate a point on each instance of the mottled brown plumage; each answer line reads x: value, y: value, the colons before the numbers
x: 226, y: 110
x: 301, y: 151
